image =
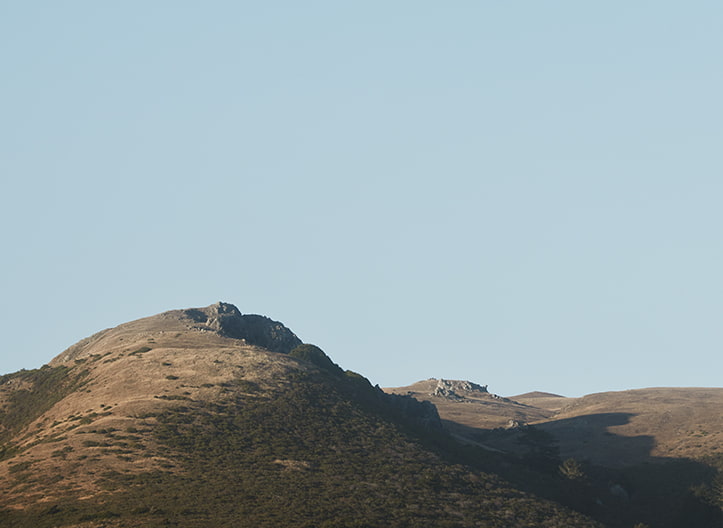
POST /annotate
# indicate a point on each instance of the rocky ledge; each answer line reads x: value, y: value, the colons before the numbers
x: 226, y: 320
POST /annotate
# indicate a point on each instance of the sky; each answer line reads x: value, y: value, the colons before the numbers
x: 521, y: 194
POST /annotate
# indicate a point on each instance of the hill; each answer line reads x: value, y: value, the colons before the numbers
x: 209, y: 417
x: 662, y: 423
x: 463, y: 405
x: 648, y: 423
x: 662, y: 447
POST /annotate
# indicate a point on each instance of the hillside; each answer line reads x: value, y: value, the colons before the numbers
x: 663, y: 423
x: 663, y: 447
x: 646, y: 423
x: 208, y: 417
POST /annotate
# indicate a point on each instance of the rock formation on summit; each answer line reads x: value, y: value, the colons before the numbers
x: 221, y: 319
x: 228, y: 321
x: 452, y: 388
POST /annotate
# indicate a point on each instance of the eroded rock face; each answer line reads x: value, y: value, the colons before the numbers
x: 257, y: 330
x: 453, y: 388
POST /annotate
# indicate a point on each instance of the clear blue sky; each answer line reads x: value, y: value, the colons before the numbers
x: 523, y: 194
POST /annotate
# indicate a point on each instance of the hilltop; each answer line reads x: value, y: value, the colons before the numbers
x: 464, y: 404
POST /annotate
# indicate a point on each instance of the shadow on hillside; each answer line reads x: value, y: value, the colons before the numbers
x: 585, y: 438
x: 590, y: 438
x: 621, y: 482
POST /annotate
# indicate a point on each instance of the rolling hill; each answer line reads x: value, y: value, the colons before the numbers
x: 659, y: 449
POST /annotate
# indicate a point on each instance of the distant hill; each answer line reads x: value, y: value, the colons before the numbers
x: 656, y: 422
x: 210, y: 417
x: 535, y: 395
x: 661, y: 446
x: 463, y: 404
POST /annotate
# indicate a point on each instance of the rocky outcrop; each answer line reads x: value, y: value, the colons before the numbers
x: 515, y: 424
x: 228, y: 321
x: 454, y: 389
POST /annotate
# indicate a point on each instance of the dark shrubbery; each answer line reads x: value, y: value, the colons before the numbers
x: 315, y: 355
